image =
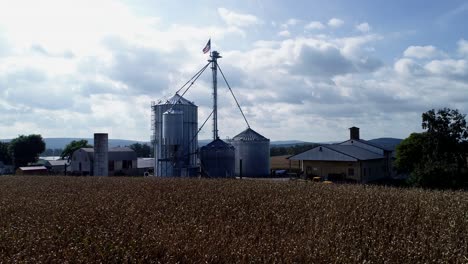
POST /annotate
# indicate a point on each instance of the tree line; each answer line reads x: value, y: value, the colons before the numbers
x: 437, y: 157
x: 22, y: 150
x: 25, y: 150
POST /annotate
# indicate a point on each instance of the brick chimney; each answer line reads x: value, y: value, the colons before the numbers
x: 354, y: 133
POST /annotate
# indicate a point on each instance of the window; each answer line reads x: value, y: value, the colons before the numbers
x: 350, y: 171
x: 126, y: 164
x: 111, y: 165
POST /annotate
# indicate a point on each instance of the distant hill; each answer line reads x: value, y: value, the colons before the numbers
x: 60, y: 143
x: 389, y: 143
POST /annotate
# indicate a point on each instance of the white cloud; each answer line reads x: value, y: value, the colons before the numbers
x: 80, y: 80
x: 449, y: 68
x: 463, y: 47
x: 407, y: 67
x: 421, y: 52
x: 335, y: 22
x: 284, y: 33
x: 232, y: 18
x: 363, y: 27
x: 315, y: 25
x: 290, y: 22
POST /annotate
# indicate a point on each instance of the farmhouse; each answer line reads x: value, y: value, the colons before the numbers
x: 122, y: 161
x: 352, y: 160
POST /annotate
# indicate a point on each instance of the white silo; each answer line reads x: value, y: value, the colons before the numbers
x: 101, y: 152
x: 167, y: 130
x: 172, y: 140
x: 252, y: 152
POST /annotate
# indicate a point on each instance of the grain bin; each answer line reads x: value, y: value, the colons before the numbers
x: 253, y: 151
x: 101, y: 154
x: 217, y: 159
x: 185, y: 157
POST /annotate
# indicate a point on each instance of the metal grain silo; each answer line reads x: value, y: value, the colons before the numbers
x: 217, y: 159
x: 185, y: 156
x: 252, y: 152
x: 101, y: 154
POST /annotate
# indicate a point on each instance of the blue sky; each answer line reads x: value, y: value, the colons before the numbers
x: 303, y: 70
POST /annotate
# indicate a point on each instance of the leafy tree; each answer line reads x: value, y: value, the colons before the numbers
x: 409, y: 153
x: 72, y: 146
x: 142, y: 150
x: 26, y: 149
x: 436, y: 157
x: 5, y: 156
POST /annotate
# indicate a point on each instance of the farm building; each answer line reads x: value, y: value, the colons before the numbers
x: 121, y: 161
x: 354, y: 160
x: 57, y: 166
x: 32, y: 170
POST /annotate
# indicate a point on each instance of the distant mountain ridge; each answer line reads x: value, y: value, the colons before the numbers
x: 60, y: 143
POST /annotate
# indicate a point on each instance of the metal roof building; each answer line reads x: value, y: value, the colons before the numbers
x: 121, y: 160
x: 354, y: 159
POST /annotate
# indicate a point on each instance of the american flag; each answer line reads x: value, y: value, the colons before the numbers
x: 207, y: 47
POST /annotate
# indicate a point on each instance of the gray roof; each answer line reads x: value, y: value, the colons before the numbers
x: 249, y: 135
x: 217, y: 144
x: 33, y: 168
x: 356, y: 152
x: 337, y: 153
x: 177, y: 99
x: 57, y: 162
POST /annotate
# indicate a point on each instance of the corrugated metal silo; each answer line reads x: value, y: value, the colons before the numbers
x: 173, y: 127
x: 254, y: 151
x: 186, y: 154
x: 101, y: 154
x: 217, y: 159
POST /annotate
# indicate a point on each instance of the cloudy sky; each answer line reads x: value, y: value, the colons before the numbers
x: 305, y: 70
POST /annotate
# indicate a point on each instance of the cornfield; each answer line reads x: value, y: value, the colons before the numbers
x: 100, y: 219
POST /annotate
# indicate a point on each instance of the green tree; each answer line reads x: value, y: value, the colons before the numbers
x: 72, y: 146
x: 409, y: 153
x: 26, y: 149
x: 437, y: 157
x: 5, y: 156
x: 142, y: 150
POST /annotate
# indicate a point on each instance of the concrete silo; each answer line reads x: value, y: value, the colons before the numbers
x: 101, y: 154
x: 217, y: 159
x: 175, y: 137
x: 252, y: 152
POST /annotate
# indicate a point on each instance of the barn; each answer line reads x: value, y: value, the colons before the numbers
x: 122, y: 161
x: 354, y: 160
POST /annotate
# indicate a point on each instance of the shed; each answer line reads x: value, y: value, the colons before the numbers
x: 32, y: 170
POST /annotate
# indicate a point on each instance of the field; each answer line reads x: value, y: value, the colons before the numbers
x: 85, y: 219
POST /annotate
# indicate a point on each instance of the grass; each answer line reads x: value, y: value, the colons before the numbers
x: 86, y: 219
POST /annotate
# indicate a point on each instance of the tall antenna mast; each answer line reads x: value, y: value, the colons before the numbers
x: 214, y: 67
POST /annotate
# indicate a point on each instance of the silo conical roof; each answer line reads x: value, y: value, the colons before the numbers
x: 217, y: 144
x: 178, y: 99
x: 249, y: 135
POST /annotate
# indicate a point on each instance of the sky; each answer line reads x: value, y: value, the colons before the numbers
x: 304, y: 70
